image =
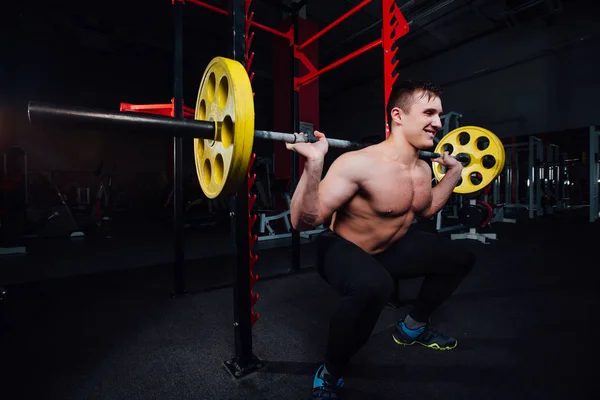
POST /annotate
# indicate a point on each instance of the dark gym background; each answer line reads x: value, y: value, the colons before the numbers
x: 93, y: 318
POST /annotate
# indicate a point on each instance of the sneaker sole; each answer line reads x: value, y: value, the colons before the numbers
x: 434, y: 346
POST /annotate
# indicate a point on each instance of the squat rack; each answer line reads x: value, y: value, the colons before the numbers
x: 241, y: 20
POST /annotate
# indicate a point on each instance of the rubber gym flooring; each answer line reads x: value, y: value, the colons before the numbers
x: 526, y: 318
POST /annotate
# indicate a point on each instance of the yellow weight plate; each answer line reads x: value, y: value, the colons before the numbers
x: 485, y: 150
x: 225, y: 96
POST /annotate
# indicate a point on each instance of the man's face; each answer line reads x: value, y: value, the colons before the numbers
x: 422, y: 121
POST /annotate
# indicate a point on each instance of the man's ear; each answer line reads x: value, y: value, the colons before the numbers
x: 397, y: 115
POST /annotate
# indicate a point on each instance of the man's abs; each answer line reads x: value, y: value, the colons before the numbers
x: 372, y: 234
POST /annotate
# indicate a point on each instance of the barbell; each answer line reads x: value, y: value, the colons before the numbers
x: 223, y: 132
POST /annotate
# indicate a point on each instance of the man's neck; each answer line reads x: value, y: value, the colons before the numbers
x: 401, y: 151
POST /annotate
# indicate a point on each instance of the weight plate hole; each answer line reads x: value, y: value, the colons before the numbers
x: 488, y: 161
x: 211, y: 86
x: 464, y: 138
x: 460, y: 181
x: 223, y: 92
x: 449, y: 148
x: 225, y: 135
x: 476, y: 178
x: 200, y: 147
x: 483, y: 143
x: 219, y: 167
x: 465, y: 157
x: 202, y: 110
x: 206, y: 171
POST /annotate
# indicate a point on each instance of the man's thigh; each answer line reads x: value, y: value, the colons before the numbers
x: 348, y: 267
x: 419, y: 253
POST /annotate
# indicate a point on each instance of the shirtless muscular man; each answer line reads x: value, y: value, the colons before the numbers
x: 370, y: 198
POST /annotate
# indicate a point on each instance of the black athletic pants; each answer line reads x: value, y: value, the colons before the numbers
x: 365, y: 283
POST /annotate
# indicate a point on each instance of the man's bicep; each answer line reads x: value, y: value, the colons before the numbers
x: 337, y: 187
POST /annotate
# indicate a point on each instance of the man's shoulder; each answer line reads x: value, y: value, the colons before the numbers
x: 355, y: 165
x: 423, y: 164
x: 357, y: 157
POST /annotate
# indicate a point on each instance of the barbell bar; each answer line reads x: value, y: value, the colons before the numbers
x: 87, y: 118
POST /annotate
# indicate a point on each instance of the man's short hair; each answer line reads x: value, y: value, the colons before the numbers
x: 402, y: 97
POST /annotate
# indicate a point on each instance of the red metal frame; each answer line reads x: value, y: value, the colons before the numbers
x: 253, y: 258
x: 166, y: 110
x: 251, y: 177
x: 394, y: 27
x: 289, y: 35
x: 311, y: 76
x: 208, y: 6
x: 335, y: 23
x: 249, y: 37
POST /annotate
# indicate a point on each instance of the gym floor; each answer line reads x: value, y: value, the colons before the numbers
x: 94, y: 320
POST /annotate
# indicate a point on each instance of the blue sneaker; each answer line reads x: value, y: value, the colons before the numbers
x: 325, y: 386
x: 425, y: 336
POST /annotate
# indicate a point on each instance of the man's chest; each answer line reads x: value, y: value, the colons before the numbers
x: 396, y: 195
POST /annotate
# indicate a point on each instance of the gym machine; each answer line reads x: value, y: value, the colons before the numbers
x: 594, y: 161
x: 498, y: 206
x: 565, y: 184
x: 544, y: 185
x: 553, y: 182
x: 267, y: 231
x: 472, y: 215
x: 535, y: 176
x: 450, y: 121
x: 512, y: 176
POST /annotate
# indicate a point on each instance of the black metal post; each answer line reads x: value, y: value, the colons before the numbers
x: 295, y: 128
x: 244, y: 361
x: 178, y: 266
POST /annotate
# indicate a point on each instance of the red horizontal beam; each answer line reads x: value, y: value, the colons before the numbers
x: 314, y: 75
x: 208, y: 6
x: 335, y: 23
x: 252, y: 23
x: 271, y: 30
x: 158, y: 109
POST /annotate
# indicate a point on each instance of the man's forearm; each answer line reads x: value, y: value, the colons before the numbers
x: 442, y: 191
x: 304, y: 207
